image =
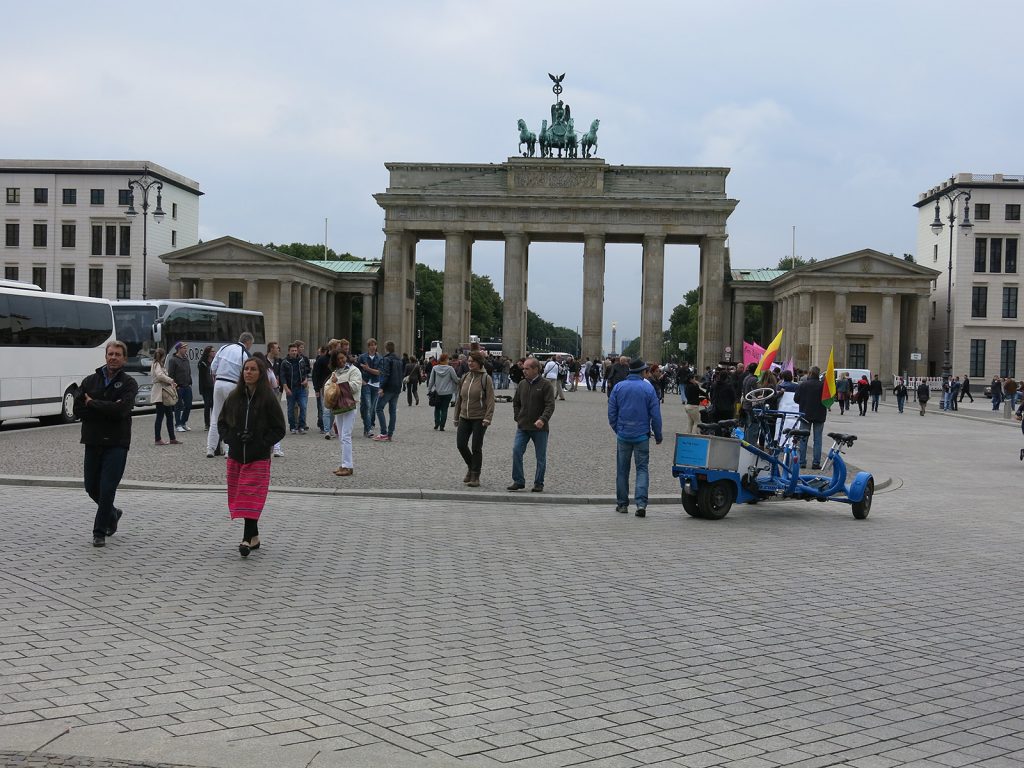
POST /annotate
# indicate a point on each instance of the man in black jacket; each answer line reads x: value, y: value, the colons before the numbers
x: 104, y: 404
x: 808, y: 397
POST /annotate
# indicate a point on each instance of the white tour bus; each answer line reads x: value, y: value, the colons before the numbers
x: 49, y: 342
x: 145, y: 325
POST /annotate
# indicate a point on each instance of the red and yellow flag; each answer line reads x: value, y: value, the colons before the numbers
x: 769, y: 355
x: 828, y: 386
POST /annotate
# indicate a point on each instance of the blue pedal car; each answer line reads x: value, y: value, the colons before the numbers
x: 716, y: 469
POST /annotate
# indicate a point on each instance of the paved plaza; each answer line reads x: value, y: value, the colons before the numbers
x: 488, y: 631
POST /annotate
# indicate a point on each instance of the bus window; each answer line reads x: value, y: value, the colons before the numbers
x: 28, y: 323
x: 135, y: 328
x: 5, y: 322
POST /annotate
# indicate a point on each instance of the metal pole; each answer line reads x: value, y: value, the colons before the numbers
x: 947, y: 365
x: 145, y: 216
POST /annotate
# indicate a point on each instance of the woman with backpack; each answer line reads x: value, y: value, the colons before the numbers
x: 474, y: 409
x: 343, y: 408
x: 442, y: 384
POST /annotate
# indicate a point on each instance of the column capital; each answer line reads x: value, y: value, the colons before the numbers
x: 716, y: 237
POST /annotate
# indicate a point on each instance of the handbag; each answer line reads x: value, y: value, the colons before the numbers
x: 432, y: 398
x: 338, y: 396
x: 169, y: 395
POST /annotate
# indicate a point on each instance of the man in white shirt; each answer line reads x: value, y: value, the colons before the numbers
x: 226, y: 370
x: 551, y: 374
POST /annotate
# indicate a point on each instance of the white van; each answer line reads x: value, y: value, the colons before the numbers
x: 434, y: 353
x: 855, y: 373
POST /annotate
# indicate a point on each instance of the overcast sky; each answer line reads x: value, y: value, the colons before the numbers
x: 832, y: 116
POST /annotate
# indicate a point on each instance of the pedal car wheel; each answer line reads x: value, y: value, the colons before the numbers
x: 690, y: 505
x: 714, y: 500
x: 862, y: 508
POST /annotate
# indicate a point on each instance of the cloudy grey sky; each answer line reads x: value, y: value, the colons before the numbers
x: 833, y: 116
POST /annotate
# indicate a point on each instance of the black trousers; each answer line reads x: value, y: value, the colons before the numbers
x: 473, y: 456
x: 412, y: 390
x: 250, y: 530
x: 104, y: 468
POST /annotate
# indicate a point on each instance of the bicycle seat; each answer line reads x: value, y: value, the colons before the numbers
x: 797, y: 432
x: 843, y: 438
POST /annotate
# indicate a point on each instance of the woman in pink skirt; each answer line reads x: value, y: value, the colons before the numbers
x: 251, y: 421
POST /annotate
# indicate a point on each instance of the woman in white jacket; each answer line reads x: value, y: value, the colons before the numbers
x: 344, y: 414
x: 163, y: 385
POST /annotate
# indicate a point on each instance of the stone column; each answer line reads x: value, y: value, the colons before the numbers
x: 791, y: 334
x: 712, y: 281
x: 176, y: 288
x: 304, y: 318
x: 593, y: 295
x: 369, y: 327
x: 252, y: 294
x: 839, y: 327
x: 330, y: 317
x: 513, y: 319
x: 296, y: 326
x: 803, y: 341
x: 206, y: 288
x: 282, y: 315
x: 922, y: 320
x: 326, y: 299
x: 467, y: 292
x: 739, y: 309
x: 452, y: 311
x: 885, y: 362
x: 394, y: 299
x: 652, y: 298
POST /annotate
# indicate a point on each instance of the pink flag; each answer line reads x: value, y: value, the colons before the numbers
x: 751, y: 352
x: 789, y: 365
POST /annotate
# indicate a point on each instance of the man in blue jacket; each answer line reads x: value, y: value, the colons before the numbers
x: 634, y: 413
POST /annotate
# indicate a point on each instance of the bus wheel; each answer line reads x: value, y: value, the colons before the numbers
x: 67, y: 410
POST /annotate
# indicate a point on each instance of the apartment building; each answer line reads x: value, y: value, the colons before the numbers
x: 984, y: 323
x: 66, y: 228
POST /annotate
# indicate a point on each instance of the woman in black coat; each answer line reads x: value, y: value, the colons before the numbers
x: 723, y: 397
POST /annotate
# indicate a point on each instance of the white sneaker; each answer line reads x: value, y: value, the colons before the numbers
x: 188, y: 428
x: 179, y: 429
x: 278, y: 453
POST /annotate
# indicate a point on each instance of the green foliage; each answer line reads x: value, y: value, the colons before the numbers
x: 790, y: 262
x: 632, y: 349
x: 429, y: 308
x: 310, y: 252
x: 485, y: 312
x: 542, y: 336
x: 754, y: 316
x: 682, y: 325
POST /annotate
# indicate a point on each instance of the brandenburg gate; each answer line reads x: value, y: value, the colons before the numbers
x: 553, y: 199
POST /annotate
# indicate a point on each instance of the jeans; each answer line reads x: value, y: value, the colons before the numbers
x: 817, y: 428
x: 387, y: 400
x: 874, y: 403
x: 540, y: 447
x: 323, y: 420
x: 344, y: 423
x: 900, y: 400
x: 412, y: 390
x: 474, y: 457
x: 441, y: 411
x: 368, y: 406
x: 104, y: 467
x: 184, y: 407
x: 297, y: 398
x: 164, y: 412
x: 640, y: 454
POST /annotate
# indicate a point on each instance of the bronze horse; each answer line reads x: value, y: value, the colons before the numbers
x: 528, y: 138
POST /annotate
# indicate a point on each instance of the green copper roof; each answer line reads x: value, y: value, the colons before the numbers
x: 757, y: 275
x: 356, y: 267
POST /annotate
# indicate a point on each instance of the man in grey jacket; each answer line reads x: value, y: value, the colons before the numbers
x: 532, y: 407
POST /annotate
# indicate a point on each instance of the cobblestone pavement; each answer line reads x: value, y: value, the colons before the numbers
x: 406, y: 632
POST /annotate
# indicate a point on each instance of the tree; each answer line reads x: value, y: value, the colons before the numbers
x: 486, y: 309
x: 791, y: 262
x: 310, y: 252
x: 682, y: 324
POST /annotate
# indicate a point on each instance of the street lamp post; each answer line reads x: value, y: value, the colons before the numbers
x: 144, y: 184
x: 419, y: 323
x: 936, y: 227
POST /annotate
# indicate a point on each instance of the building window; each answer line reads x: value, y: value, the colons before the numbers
x: 111, y: 233
x: 1008, y: 358
x: 858, y: 314
x: 935, y: 253
x: 10, y: 273
x: 67, y: 235
x: 174, y: 210
x: 126, y: 240
x: 124, y: 283
x: 13, y: 234
x: 67, y: 280
x: 980, y: 250
x: 981, y: 211
x: 235, y: 299
x: 1010, y: 302
x: 39, y: 235
x: 96, y: 197
x: 857, y: 356
x: 995, y: 264
x: 69, y: 196
x: 979, y: 301
x: 41, y: 195
x: 174, y: 238
x: 96, y: 282
x: 13, y: 195
x: 97, y: 239
x: 39, y: 277
x: 977, y: 357
x: 1013, y: 211
x: 124, y: 196
x: 1010, y: 263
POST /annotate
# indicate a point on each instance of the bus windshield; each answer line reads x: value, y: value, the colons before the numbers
x: 135, y: 328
